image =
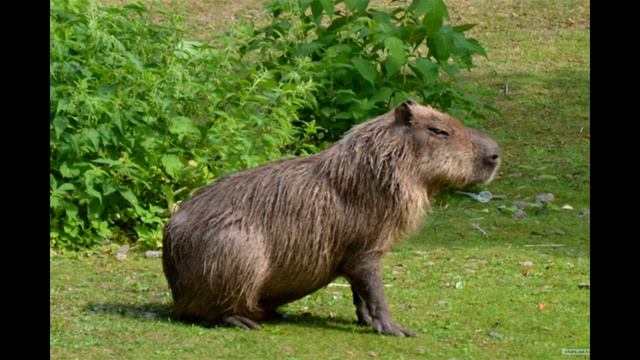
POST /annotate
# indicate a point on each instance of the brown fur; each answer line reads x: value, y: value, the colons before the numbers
x: 260, y: 238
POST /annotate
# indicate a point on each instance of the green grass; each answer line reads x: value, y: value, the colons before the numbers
x: 449, y: 282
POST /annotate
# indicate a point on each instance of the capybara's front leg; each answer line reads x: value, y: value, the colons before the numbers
x: 366, y: 280
x: 361, y: 308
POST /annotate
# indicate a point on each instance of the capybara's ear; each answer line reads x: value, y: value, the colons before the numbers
x: 403, y: 112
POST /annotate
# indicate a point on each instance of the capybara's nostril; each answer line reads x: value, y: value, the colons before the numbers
x: 492, y: 159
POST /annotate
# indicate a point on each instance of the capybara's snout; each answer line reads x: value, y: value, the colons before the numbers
x: 488, y: 156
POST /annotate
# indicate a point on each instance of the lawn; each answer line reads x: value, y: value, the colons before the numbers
x: 476, y: 282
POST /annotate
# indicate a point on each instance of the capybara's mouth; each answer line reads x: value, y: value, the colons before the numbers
x: 485, y: 179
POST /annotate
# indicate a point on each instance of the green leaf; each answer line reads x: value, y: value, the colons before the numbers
x: 53, y: 184
x: 306, y: 49
x: 357, y: 5
x: 440, y: 45
x: 344, y: 115
x: 89, y: 180
x: 427, y: 69
x: 365, y: 69
x: 129, y: 196
x: 327, y: 5
x: 59, y: 124
x: 474, y: 47
x: 396, y: 49
x: 168, y: 194
x: 68, y: 172
x: 181, y: 125
x: 391, y: 66
x: 106, y: 162
x: 304, y: 4
x: 420, y: 7
x: 109, y: 186
x: 316, y: 10
x: 172, y: 164
x: 94, y: 138
x: 66, y: 187
x: 382, y: 95
x: 435, y: 16
x: 463, y: 28
x: 451, y: 69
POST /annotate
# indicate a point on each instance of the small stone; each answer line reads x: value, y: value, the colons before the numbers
x: 372, y: 353
x: 123, y: 249
x: 496, y: 335
x: 584, y: 212
x: 527, y: 263
x: 149, y: 315
x: 121, y: 256
x: 153, y: 254
x: 542, y: 198
x: 519, y: 214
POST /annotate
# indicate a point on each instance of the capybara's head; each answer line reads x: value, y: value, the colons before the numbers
x: 449, y: 153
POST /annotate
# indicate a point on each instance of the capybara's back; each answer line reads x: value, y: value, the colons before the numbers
x: 255, y: 240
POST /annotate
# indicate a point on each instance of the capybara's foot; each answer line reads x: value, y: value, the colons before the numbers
x: 364, y: 320
x: 390, y: 328
x: 241, y: 321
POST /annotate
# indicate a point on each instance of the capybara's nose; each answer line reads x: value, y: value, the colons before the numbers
x: 492, y: 160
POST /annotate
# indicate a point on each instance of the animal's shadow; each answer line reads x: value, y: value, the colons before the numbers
x: 161, y: 312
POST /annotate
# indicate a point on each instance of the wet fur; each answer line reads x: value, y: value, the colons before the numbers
x: 263, y: 237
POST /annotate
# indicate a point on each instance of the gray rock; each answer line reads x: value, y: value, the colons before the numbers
x: 149, y: 315
x: 519, y: 214
x: 543, y: 198
x: 153, y: 254
x: 584, y: 212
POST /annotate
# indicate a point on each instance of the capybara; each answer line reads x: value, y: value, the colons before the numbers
x: 260, y: 238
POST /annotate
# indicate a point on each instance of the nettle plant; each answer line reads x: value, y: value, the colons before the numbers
x: 139, y: 118
x: 367, y: 60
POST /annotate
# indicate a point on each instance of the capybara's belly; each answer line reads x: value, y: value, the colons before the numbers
x: 286, y: 287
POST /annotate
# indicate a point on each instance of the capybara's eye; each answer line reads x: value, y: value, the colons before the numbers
x: 439, y: 132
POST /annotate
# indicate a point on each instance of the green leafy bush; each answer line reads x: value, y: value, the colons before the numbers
x: 139, y: 118
x: 367, y: 60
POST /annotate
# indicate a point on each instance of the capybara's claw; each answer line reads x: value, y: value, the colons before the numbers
x: 241, y: 321
x: 389, y: 328
x: 364, y: 320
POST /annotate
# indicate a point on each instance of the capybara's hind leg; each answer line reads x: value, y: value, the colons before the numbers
x: 241, y: 321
